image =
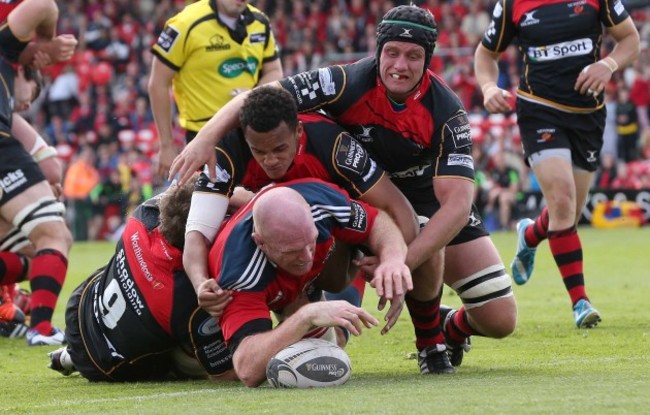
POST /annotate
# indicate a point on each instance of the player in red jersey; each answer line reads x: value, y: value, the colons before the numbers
x: 561, y: 116
x: 275, y: 248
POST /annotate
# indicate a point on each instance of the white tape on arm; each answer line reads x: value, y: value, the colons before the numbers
x: 206, y: 214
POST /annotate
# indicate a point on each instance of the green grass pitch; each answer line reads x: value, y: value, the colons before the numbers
x: 546, y: 367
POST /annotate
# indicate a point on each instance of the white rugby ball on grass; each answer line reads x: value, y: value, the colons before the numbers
x: 309, y: 363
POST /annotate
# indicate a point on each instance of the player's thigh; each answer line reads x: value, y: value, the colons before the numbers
x: 30, y: 195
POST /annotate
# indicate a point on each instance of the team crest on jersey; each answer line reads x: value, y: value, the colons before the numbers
x: 167, y: 38
x: 545, y: 134
x: 217, y: 42
x: 460, y: 130
x: 257, y: 38
x: 529, y: 19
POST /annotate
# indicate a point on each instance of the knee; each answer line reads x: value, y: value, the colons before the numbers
x: 53, y: 235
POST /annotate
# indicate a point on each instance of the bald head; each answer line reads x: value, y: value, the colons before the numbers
x: 280, y: 212
x: 285, y: 229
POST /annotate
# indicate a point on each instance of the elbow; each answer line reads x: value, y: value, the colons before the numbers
x: 249, y: 375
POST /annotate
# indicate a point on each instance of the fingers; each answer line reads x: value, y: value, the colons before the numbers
x: 355, y: 319
x: 393, y: 314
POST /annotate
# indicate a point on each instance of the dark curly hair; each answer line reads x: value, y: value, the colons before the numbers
x: 408, y: 24
x: 266, y: 107
x: 174, y: 207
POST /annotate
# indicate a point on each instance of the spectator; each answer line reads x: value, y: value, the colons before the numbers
x: 504, y: 185
x: 627, y: 127
x: 80, y: 180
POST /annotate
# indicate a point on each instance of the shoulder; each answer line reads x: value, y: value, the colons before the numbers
x: 255, y: 14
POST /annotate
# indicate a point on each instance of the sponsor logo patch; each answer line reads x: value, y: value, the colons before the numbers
x: 530, y: 19
x: 350, y: 155
x: 326, y: 81
x: 257, y: 38
x: 209, y: 327
x: 217, y: 42
x: 498, y: 10
x: 359, y: 220
x: 234, y: 67
x: 167, y: 38
x: 460, y: 130
x: 12, y: 180
x: 562, y: 50
x: 464, y: 160
x: 619, y: 8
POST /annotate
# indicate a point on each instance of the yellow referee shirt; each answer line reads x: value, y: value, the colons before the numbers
x: 213, y: 62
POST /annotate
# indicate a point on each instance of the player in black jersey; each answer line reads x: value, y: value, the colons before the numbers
x: 561, y: 116
x: 416, y: 129
x: 137, y: 318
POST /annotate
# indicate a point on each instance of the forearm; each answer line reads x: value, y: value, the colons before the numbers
x: 195, y: 258
x: 386, y: 240
x: 485, y: 68
x: 626, y: 51
x: 254, y: 352
x: 161, y: 108
x: 443, y: 226
x: 271, y: 72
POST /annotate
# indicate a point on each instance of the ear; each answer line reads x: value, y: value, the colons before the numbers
x: 299, y: 130
x: 257, y: 239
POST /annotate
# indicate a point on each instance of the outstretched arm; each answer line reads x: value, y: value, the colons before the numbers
x: 254, y: 352
x: 201, y: 150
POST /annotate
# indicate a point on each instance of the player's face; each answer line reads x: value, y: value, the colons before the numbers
x: 274, y: 150
x: 293, y: 253
x: 401, y: 67
x: 24, y: 92
x: 232, y: 8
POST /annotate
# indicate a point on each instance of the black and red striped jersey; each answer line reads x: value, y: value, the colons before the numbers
x: 428, y: 136
x: 325, y: 151
x: 557, y: 39
x: 144, y: 303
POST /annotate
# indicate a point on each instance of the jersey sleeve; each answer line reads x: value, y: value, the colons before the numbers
x: 314, y: 89
x: 455, y: 158
x: 271, y: 51
x: 171, y: 44
x: 502, y: 29
x: 347, y: 160
x: 232, y: 156
x: 244, y: 308
x: 612, y: 12
x: 335, y: 214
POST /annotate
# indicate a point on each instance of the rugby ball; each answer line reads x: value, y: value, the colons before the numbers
x: 309, y: 363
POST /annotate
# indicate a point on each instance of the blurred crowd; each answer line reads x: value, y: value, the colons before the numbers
x: 95, y: 109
